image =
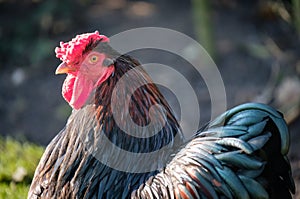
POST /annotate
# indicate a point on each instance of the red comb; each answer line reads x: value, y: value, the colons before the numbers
x: 72, y: 51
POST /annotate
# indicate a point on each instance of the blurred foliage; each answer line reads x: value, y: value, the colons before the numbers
x: 296, y: 14
x: 28, y: 26
x: 18, y: 161
x: 267, y: 10
x: 203, y: 25
x: 13, y: 191
x: 288, y: 10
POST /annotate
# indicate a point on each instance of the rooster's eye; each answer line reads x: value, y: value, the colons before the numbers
x: 93, y: 59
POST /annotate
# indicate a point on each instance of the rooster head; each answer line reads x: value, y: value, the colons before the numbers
x: 85, y: 66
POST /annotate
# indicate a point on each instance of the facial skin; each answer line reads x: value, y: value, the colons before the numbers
x: 83, y: 78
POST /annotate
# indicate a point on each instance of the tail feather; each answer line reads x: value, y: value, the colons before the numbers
x: 252, y: 113
x: 264, y: 145
x: 241, y: 154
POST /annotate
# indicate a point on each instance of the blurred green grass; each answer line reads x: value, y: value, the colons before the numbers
x: 18, y: 161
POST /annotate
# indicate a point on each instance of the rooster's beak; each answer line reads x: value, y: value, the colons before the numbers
x: 64, y: 68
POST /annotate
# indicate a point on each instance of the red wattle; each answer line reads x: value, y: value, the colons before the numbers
x: 81, y: 91
x: 78, y: 87
x: 67, y: 89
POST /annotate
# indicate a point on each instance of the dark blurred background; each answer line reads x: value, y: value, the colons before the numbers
x: 255, y: 45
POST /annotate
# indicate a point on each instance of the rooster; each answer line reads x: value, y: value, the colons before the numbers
x: 241, y: 154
